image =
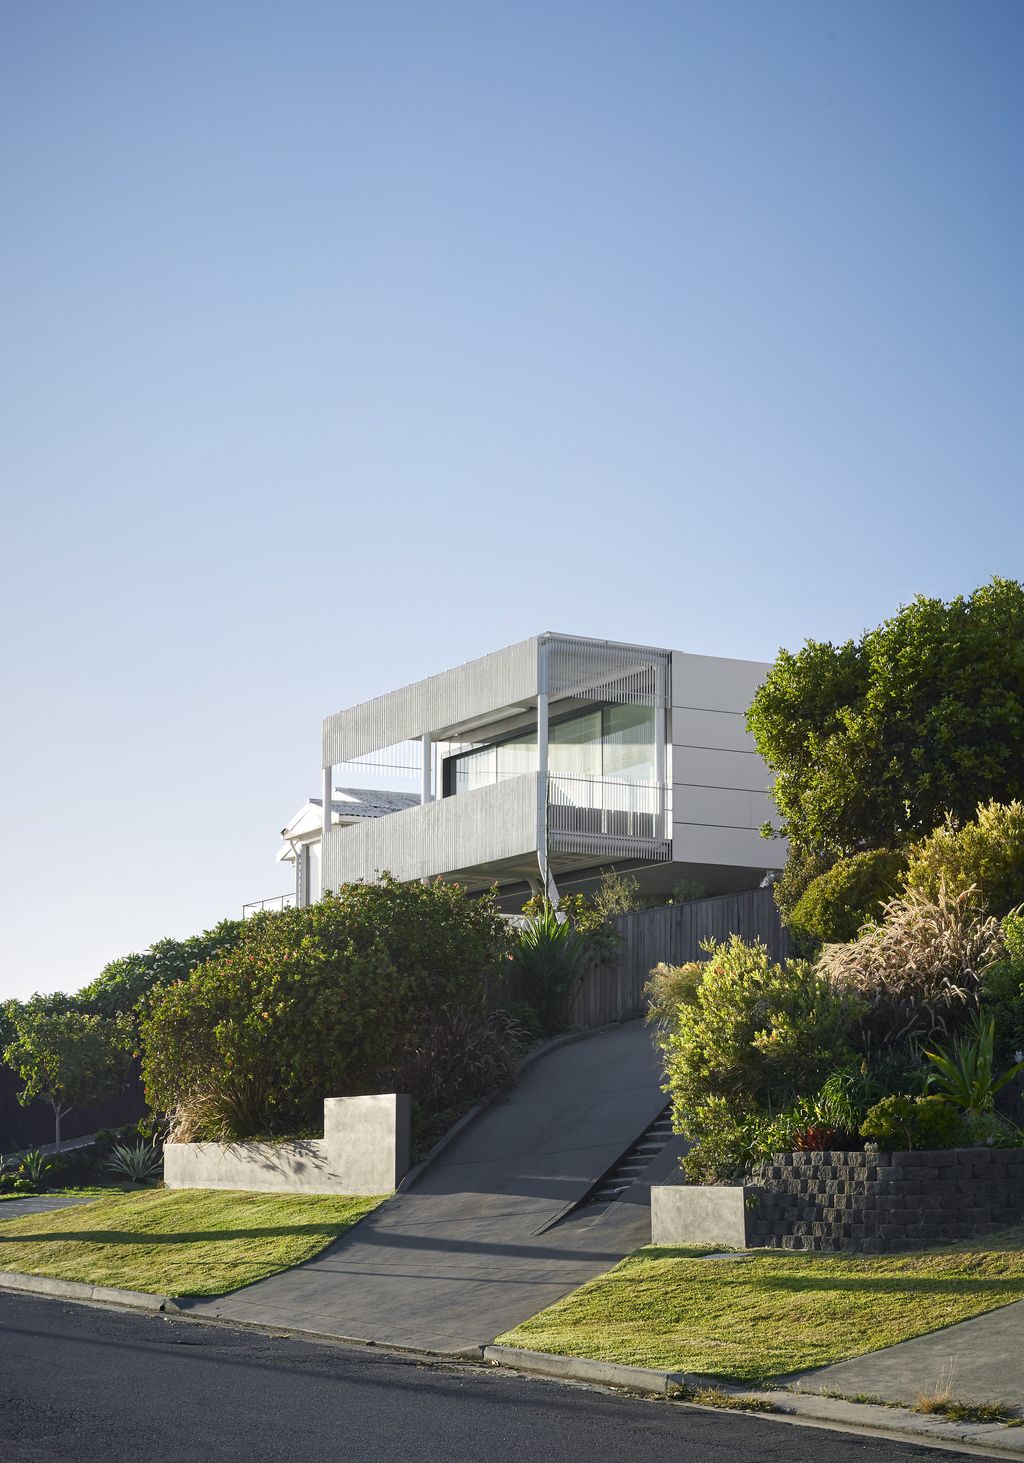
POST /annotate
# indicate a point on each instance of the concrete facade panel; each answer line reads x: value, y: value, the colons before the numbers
x: 713, y: 767
x: 689, y: 1214
x: 711, y: 683
x: 443, y: 837
x: 725, y: 730
x: 721, y: 807
x: 698, y: 843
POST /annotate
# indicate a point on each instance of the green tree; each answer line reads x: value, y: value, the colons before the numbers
x: 874, y: 741
x: 124, y: 982
x: 64, y: 1056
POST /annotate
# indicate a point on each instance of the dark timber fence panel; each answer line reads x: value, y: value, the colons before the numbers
x: 613, y: 990
x: 28, y: 1127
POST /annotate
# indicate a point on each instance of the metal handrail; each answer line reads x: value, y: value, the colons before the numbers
x: 274, y: 901
x: 611, y: 806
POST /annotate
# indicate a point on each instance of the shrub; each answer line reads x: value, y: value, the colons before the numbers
x: 901, y: 1122
x: 34, y: 1167
x: 316, y: 1001
x: 669, y: 987
x: 919, y: 971
x: 838, y: 902
x: 986, y: 854
x: 1002, y: 988
x: 725, y: 1146
x: 752, y: 1033
x: 992, y: 1130
x: 454, y: 1052
x: 871, y: 742
x: 591, y: 914
x: 803, y: 866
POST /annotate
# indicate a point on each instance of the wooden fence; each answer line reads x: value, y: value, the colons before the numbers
x: 613, y: 990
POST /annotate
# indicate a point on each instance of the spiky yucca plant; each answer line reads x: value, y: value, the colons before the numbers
x: 138, y: 1163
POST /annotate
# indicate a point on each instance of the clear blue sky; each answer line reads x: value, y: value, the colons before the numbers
x: 341, y: 343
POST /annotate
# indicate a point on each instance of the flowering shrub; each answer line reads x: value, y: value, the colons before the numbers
x: 326, y: 1000
x: 900, y: 1122
x: 742, y: 1039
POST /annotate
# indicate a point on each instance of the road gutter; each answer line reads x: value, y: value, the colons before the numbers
x: 899, y: 1424
x: 135, y: 1300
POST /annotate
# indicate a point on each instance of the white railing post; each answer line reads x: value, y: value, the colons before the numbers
x: 426, y: 780
x: 542, y: 766
x: 660, y: 750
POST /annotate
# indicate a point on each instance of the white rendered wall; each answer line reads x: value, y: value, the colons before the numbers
x: 719, y: 783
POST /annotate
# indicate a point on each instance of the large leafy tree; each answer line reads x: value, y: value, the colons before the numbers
x: 874, y: 741
x: 122, y: 983
x: 65, y: 1056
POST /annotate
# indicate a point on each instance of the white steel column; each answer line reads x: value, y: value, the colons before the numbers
x: 427, y: 791
x: 328, y: 790
x: 542, y: 766
x: 659, y: 747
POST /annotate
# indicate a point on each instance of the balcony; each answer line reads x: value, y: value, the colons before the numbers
x: 491, y: 833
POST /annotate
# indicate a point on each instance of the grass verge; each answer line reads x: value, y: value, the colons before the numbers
x: 775, y: 1312
x: 177, y: 1241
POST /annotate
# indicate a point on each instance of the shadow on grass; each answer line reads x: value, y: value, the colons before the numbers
x: 896, y: 1284
x: 177, y: 1237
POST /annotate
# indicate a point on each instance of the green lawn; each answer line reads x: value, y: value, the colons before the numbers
x: 777, y: 1312
x: 177, y: 1241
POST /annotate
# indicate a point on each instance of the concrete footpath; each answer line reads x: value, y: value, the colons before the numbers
x: 980, y: 1360
x: 43, y: 1204
x: 474, y: 1246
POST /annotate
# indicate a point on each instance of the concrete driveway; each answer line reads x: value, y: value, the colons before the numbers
x: 474, y: 1247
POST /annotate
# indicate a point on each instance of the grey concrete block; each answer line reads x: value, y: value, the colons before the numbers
x: 697, y: 1215
x: 365, y: 1150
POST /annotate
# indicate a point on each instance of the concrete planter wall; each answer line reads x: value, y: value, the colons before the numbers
x: 364, y: 1150
x: 849, y: 1201
x: 684, y: 1214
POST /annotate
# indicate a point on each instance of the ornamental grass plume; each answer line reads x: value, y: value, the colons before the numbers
x: 920, y: 966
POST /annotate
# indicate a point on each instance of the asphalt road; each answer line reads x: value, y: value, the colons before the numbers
x: 100, y: 1386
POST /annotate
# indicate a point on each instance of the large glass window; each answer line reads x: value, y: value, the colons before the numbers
x: 475, y: 769
x: 574, y: 746
x: 611, y: 742
x: 628, y: 743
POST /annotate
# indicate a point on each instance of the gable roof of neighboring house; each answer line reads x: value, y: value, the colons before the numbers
x: 348, y: 805
x: 368, y: 802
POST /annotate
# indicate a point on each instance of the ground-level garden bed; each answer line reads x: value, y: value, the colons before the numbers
x: 185, y: 1242
x: 767, y: 1314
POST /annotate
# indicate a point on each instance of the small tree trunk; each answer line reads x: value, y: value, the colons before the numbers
x: 57, y: 1115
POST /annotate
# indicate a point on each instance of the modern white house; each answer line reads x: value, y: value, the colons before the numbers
x: 550, y: 761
